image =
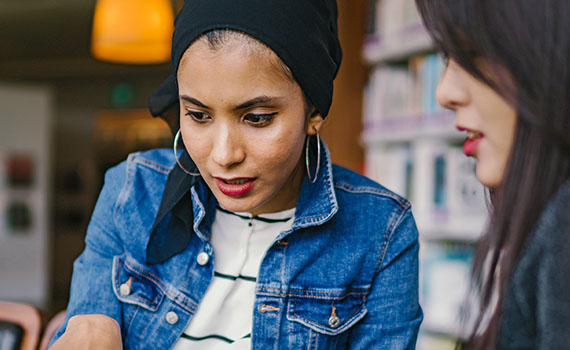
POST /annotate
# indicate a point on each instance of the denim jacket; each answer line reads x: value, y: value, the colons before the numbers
x: 345, y: 276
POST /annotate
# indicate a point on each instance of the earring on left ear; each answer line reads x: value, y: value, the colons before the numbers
x: 175, y: 147
x: 314, y: 179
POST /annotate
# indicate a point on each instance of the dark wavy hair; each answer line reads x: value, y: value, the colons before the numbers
x: 525, y: 45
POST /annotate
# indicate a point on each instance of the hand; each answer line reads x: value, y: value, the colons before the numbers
x: 90, y: 332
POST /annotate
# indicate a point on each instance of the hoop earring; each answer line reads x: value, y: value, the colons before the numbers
x: 176, y: 139
x: 313, y: 180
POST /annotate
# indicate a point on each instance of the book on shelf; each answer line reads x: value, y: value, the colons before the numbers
x: 434, y: 341
x: 387, y: 19
x: 402, y: 92
x: 387, y: 95
x: 445, y: 270
x: 391, y: 167
x: 434, y: 175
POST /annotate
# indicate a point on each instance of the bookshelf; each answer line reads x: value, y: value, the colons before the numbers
x: 413, y: 148
x: 438, y: 125
x: 410, y: 41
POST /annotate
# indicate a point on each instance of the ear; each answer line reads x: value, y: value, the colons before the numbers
x: 314, y: 123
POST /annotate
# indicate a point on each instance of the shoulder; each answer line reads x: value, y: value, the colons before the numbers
x: 546, y: 249
x: 370, y: 208
x: 552, y: 231
x: 156, y: 162
x: 352, y: 186
x: 141, y: 176
x: 372, y: 220
x: 538, y: 289
x: 129, y: 200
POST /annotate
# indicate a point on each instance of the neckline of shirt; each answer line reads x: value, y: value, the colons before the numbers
x: 280, y: 216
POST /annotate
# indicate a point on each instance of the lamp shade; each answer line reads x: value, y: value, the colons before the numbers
x: 132, y: 31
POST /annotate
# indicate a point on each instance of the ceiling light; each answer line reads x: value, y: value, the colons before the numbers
x: 132, y: 31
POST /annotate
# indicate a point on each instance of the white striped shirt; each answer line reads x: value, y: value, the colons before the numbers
x: 224, y: 317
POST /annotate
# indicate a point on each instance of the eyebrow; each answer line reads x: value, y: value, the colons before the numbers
x: 258, y: 100
x: 193, y: 101
x: 247, y: 104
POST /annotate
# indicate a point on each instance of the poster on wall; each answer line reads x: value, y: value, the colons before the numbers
x: 20, y: 171
x: 18, y: 217
x: 17, y: 180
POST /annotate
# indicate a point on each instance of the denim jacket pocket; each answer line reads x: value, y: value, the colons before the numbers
x: 327, y: 312
x: 133, y: 284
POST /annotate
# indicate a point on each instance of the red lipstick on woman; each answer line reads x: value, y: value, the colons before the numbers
x: 471, y: 141
x: 236, y: 187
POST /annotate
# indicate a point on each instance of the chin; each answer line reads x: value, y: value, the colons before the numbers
x: 488, y: 177
x: 236, y: 205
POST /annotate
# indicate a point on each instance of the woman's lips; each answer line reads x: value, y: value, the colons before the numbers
x: 236, y: 187
x: 471, y: 141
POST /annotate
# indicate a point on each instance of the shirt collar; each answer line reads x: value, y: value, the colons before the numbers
x: 188, y: 207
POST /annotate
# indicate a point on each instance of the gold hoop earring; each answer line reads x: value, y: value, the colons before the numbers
x: 176, y: 139
x: 313, y: 180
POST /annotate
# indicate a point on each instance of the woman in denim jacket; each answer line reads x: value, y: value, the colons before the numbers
x: 175, y: 236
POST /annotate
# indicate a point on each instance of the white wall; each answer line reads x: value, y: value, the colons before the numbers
x: 25, y: 128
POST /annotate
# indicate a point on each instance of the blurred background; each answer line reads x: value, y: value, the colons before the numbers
x: 74, y: 79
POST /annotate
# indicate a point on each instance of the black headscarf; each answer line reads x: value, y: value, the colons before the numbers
x: 303, y: 33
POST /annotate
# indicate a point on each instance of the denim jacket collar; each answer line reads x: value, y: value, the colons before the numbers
x: 188, y: 206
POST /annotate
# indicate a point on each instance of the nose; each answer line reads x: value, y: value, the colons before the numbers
x: 451, y: 92
x: 227, y: 149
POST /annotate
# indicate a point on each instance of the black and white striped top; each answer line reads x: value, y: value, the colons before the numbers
x: 224, y: 317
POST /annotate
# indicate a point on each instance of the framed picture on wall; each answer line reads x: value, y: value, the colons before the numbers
x: 20, y: 170
x: 19, y: 217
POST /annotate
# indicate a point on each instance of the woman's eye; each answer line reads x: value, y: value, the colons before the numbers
x: 259, y: 119
x: 198, y: 116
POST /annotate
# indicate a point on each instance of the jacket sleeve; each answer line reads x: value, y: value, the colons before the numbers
x: 394, y: 313
x: 91, y: 285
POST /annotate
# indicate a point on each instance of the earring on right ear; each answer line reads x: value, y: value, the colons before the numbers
x: 314, y: 179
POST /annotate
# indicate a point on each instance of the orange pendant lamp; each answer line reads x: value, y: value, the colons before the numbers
x: 132, y: 31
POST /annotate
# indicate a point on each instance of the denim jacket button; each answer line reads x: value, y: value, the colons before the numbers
x: 334, y: 321
x: 171, y: 317
x: 203, y: 258
x: 125, y: 289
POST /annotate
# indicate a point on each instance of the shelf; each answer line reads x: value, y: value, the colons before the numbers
x: 437, y: 125
x: 457, y: 228
x: 409, y: 42
x: 451, y: 330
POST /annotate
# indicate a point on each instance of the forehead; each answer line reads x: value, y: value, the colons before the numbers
x: 234, y: 67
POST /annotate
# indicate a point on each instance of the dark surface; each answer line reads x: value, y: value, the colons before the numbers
x: 10, y: 336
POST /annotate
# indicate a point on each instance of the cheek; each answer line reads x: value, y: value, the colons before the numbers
x: 280, y: 152
x: 501, y: 134
x: 196, y: 143
x: 493, y: 157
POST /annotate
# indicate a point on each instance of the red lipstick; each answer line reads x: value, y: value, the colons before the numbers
x: 236, y: 187
x: 471, y: 141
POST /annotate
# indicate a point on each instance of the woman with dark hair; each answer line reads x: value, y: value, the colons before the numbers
x: 508, y: 80
x: 246, y: 236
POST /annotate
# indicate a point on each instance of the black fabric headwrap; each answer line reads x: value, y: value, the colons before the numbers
x: 303, y: 33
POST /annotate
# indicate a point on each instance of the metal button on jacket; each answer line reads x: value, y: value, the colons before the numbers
x: 334, y: 321
x: 203, y: 258
x: 171, y: 317
x: 125, y: 289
